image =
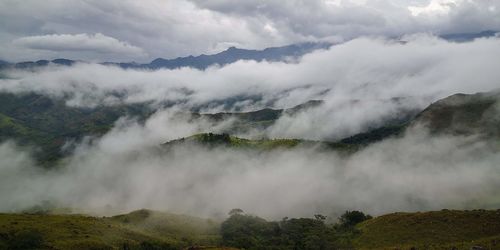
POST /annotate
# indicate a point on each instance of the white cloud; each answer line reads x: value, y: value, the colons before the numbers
x: 435, y: 7
x: 371, y: 71
x: 78, y: 42
x: 180, y: 27
x: 126, y: 170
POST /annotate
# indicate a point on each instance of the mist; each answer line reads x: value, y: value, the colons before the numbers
x: 126, y: 170
x: 363, y: 83
x: 358, y: 80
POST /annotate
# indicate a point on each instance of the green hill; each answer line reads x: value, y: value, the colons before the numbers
x: 445, y: 229
x: 143, y: 229
x: 47, y: 123
x: 463, y: 114
x: 146, y: 229
x: 225, y: 140
x: 189, y: 229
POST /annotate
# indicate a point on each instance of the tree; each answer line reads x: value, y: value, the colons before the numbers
x: 351, y: 218
x: 235, y: 211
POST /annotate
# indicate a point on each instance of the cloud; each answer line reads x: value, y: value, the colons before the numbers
x: 357, y: 80
x: 180, y: 27
x: 79, y: 42
x: 126, y: 170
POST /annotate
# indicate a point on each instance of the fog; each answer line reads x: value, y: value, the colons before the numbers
x: 363, y: 83
x: 127, y: 170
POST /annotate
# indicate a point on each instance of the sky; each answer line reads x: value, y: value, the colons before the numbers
x: 126, y: 30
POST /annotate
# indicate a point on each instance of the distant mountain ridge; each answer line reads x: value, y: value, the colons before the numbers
x: 231, y: 55
x: 34, y: 119
x: 201, y: 62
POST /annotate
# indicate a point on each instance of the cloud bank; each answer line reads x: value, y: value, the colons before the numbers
x: 78, y: 42
x: 180, y: 27
x: 363, y: 82
x: 126, y: 170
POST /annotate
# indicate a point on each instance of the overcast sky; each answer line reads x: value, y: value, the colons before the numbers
x: 126, y: 30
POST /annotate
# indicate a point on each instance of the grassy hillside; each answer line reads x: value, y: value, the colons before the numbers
x: 225, y: 140
x: 146, y: 229
x: 142, y: 229
x: 444, y: 229
x: 463, y: 114
x: 188, y: 229
x: 46, y: 123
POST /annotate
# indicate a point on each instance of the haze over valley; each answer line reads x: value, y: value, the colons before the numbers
x: 341, y: 118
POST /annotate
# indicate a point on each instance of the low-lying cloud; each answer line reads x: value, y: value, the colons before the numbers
x: 93, y: 43
x: 362, y: 82
x: 127, y: 170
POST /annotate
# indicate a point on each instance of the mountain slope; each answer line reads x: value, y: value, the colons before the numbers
x: 463, y: 114
x: 37, y: 120
x: 201, y: 62
x: 211, y: 140
x: 143, y: 229
x: 445, y: 229
x: 234, y: 54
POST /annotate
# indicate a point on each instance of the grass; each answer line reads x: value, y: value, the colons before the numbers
x: 446, y: 229
x: 213, y: 140
x: 146, y: 229
x: 188, y: 229
x: 143, y: 229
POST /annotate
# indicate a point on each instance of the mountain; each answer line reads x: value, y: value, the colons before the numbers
x: 465, y: 37
x: 225, y: 140
x: 234, y: 54
x: 459, y: 114
x: 463, y: 114
x: 252, y: 120
x: 228, y: 56
x: 48, y: 123
x: 38, y: 120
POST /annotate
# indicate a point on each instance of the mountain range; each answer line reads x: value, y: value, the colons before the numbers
x: 37, y: 120
x: 230, y: 55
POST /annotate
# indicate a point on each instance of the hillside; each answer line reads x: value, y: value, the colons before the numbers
x: 47, y: 123
x: 226, y: 140
x: 146, y: 229
x: 445, y: 229
x: 463, y: 114
x: 231, y: 55
x: 143, y: 229
x: 37, y: 120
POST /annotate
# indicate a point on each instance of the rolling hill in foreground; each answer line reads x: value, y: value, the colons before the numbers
x: 146, y: 229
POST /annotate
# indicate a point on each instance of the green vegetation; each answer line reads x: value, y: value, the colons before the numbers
x: 446, y: 229
x: 146, y: 229
x: 226, y: 140
x: 47, y: 123
x: 251, y: 232
x: 463, y: 115
x: 143, y: 229
x: 190, y: 230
